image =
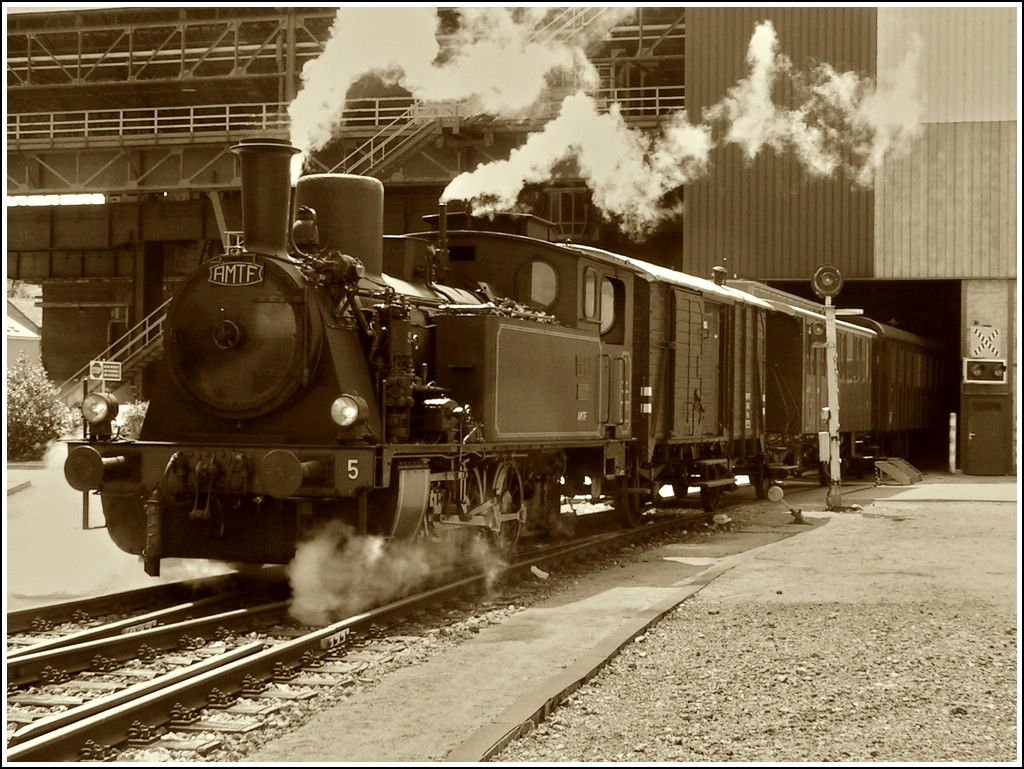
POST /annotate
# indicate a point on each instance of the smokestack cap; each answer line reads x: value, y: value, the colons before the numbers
x: 264, y: 143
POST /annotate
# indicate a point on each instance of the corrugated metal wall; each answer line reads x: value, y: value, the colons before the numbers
x: 949, y: 208
x: 770, y: 219
x: 968, y: 60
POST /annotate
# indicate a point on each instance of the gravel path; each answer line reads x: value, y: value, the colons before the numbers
x: 891, y: 637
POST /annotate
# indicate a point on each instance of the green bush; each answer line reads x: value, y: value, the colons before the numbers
x: 130, y: 417
x: 36, y: 415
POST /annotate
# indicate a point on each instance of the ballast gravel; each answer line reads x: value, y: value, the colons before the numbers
x: 892, y: 638
x: 824, y: 682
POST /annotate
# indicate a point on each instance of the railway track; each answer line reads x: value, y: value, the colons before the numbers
x: 179, y: 684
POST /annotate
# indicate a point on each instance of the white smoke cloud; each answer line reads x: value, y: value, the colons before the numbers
x: 629, y: 172
x: 337, y: 573
x: 752, y: 119
x: 495, y: 62
x: 500, y: 61
x: 839, y: 121
x: 363, y: 40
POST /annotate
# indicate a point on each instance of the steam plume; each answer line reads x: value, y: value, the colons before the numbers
x: 336, y: 573
x: 841, y: 120
x: 629, y: 172
x: 496, y: 62
x: 500, y: 60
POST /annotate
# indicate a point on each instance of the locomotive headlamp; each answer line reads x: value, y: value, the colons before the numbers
x: 99, y: 407
x: 348, y: 410
x: 99, y: 410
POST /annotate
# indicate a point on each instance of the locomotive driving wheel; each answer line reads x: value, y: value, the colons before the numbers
x: 508, y: 495
x: 498, y: 494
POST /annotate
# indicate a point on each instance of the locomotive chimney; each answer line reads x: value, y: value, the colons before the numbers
x: 350, y: 215
x: 266, y: 193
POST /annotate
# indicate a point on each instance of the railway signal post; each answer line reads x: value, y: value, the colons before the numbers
x: 827, y: 282
x: 834, y: 499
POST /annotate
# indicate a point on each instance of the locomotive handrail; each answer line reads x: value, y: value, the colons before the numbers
x: 134, y: 341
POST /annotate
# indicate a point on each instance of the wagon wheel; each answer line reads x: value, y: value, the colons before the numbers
x: 711, y: 496
x: 761, y: 479
x: 629, y: 506
x: 507, y: 493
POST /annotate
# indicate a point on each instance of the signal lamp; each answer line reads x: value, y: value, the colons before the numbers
x: 990, y: 371
x: 348, y: 410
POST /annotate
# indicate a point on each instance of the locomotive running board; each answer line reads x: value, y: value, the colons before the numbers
x: 900, y: 471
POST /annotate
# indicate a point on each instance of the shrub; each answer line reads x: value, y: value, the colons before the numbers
x: 130, y: 417
x: 36, y: 415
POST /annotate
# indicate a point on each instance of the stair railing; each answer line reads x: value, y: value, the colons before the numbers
x: 124, y: 349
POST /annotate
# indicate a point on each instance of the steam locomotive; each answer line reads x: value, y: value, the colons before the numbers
x: 442, y: 383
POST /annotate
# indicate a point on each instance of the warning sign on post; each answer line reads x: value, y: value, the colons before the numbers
x: 105, y: 370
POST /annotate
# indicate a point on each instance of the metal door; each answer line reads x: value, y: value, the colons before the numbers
x: 986, y: 438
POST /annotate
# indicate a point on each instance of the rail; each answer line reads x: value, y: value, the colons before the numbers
x: 131, y: 345
x: 211, y: 120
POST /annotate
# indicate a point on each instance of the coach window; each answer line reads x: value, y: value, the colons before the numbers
x: 613, y: 300
x: 537, y: 282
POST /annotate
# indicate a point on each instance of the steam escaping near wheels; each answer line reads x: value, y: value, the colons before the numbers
x: 337, y: 573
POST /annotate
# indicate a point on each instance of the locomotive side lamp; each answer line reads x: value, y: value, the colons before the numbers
x: 100, y: 410
x: 348, y: 410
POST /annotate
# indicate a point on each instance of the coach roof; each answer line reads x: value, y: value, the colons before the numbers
x: 654, y: 272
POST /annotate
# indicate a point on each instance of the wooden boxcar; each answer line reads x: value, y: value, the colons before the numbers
x: 699, y: 372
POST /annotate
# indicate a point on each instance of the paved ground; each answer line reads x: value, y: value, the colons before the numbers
x: 50, y: 557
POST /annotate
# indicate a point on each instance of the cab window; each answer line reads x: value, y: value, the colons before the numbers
x: 613, y: 300
x: 537, y: 283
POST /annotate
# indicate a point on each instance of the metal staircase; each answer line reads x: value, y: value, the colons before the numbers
x: 141, y: 344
